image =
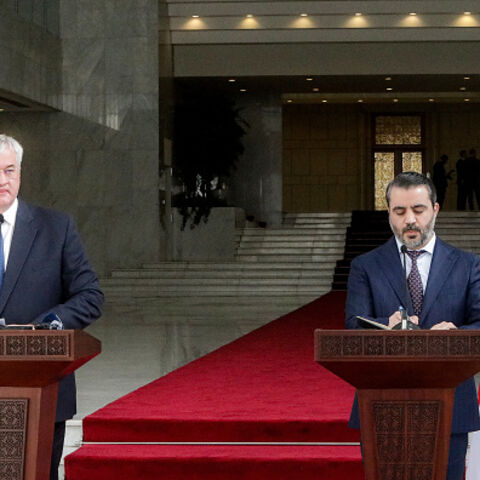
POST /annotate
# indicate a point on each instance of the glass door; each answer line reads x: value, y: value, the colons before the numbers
x: 397, y: 147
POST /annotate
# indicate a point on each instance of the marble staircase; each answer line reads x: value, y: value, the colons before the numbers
x: 275, y: 271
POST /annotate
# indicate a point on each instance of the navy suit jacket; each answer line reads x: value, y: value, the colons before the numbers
x: 48, y: 272
x: 376, y: 288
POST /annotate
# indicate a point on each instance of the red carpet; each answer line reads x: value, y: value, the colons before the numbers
x: 132, y: 462
x: 263, y: 387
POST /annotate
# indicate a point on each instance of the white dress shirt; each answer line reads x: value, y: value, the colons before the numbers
x: 424, y: 261
x: 8, y: 227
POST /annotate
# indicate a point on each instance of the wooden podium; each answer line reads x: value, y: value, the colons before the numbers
x: 405, y: 382
x: 31, y: 364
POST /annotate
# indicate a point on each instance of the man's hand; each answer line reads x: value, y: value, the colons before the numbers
x: 444, y: 326
x: 396, y: 318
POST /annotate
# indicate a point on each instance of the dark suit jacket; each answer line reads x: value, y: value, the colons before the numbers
x: 48, y: 271
x: 376, y: 288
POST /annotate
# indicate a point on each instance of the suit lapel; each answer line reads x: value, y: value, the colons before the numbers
x: 443, y: 260
x: 390, y: 264
x: 22, y: 240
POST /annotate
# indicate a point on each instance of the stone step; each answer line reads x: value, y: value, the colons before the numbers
x: 220, y: 282
x: 290, y: 258
x: 212, y: 291
x: 292, y: 236
x: 193, y: 302
x: 305, y: 224
x: 237, y: 265
x: 282, y: 245
x: 168, y: 275
x: 297, y: 250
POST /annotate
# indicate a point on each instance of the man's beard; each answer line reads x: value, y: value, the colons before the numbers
x: 425, y: 234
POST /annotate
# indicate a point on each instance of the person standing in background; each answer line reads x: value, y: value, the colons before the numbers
x: 461, y: 181
x: 440, y: 178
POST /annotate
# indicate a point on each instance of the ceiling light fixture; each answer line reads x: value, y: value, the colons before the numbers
x: 467, y: 13
x: 431, y: 100
x: 243, y: 89
x: 466, y: 78
x: 249, y: 15
x: 388, y: 79
x: 231, y: 80
x: 358, y: 14
x: 466, y: 99
x: 315, y: 89
x: 195, y: 16
x: 324, y: 101
x: 413, y: 14
x: 395, y: 100
x: 360, y: 100
x: 463, y: 89
x: 389, y: 89
x: 304, y: 14
x: 289, y: 101
x: 309, y: 79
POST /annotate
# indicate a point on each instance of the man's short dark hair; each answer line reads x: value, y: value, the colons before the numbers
x: 412, y: 179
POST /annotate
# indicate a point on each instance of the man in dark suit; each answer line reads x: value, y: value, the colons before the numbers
x: 45, y: 275
x: 444, y: 285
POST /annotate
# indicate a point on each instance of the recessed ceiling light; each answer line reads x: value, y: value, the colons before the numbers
x: 231, y: 80
x: 358, y: 14
x: 324, y: 101
x: 304, y: 14
x: 395, y: 100
x: 412, y: 14
x: 195, y: 16
x: 467, y: 13
x: 309, y: 79
x: 289, y: 100
x: 315, y: 89
x: 466, y: 78
x: 249, y: 15
x: 466, y: 99
x: 2, y: 109
x: 388, y: 79
x: 463, y: 88
x: 389, y: 89
x: 243, y: 89
x: 431, y: 99
x: 360, y: 100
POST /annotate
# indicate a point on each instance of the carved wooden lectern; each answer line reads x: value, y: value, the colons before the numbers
x: 405, y: 382
x: 31, y: 364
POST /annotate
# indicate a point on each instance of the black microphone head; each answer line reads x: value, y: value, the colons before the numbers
x: 403, y: 249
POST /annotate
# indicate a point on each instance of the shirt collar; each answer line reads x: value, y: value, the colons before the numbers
x: 11, y: 213
x: 429, y: 247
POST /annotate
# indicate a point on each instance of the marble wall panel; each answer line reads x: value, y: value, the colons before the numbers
x: 99, y: 158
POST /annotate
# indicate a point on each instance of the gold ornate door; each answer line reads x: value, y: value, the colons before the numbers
x: 397, y: 147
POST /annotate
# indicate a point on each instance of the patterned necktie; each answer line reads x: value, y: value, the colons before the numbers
x: 415, y: 282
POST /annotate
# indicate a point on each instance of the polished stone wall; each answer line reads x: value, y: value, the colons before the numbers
x: 31, y: 55
x: 99, y: 157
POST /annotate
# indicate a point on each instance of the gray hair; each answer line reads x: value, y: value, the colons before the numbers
x: 9, y: 143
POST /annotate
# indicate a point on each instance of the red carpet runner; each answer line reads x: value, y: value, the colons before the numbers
x: 263, y: 387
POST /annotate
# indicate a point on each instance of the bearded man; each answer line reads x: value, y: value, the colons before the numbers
x: 443, y: 290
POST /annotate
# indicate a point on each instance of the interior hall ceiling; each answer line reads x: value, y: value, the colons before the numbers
x: 210, y: 26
